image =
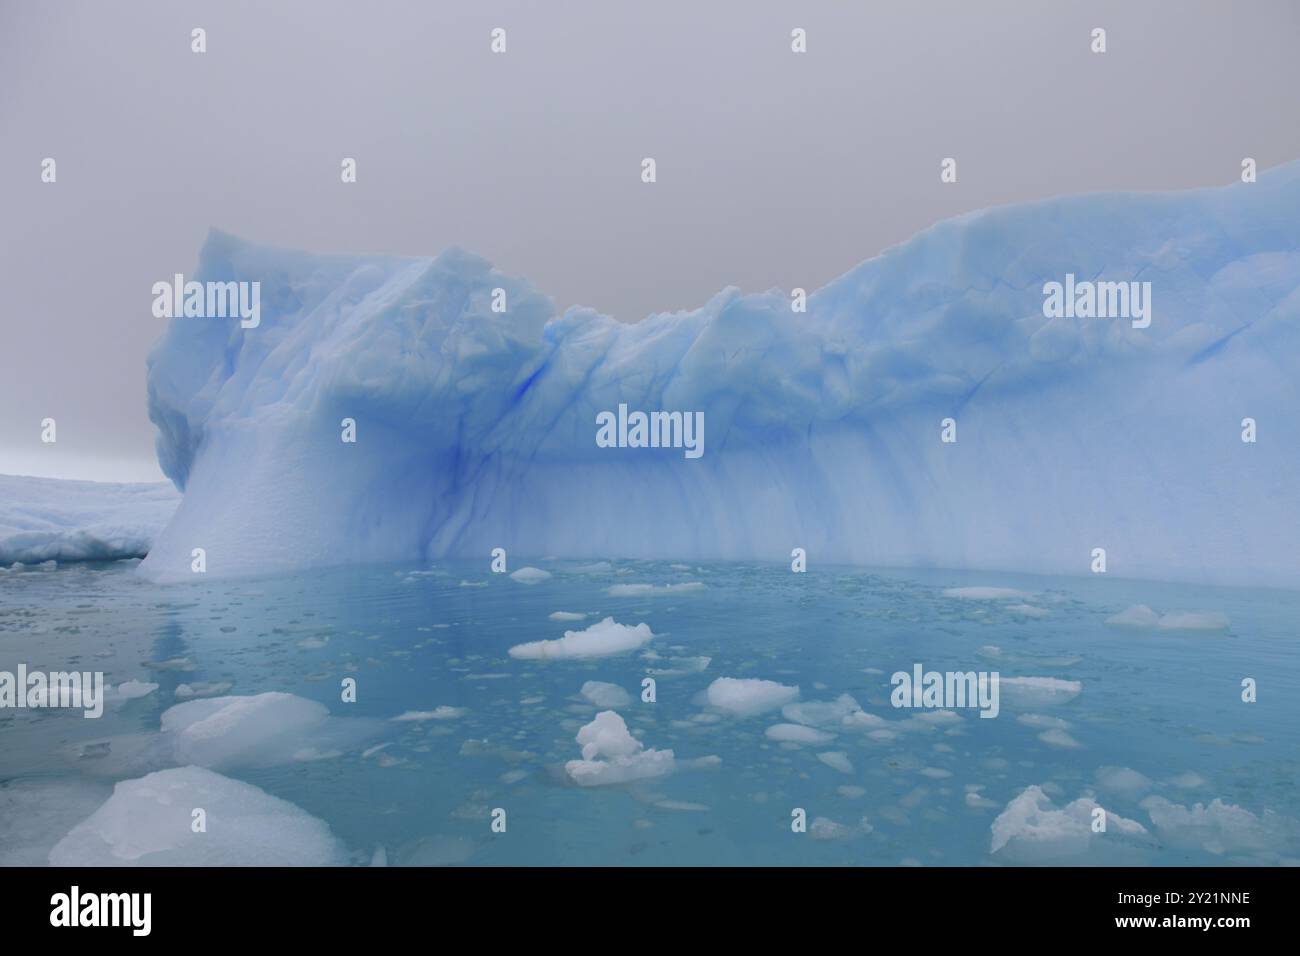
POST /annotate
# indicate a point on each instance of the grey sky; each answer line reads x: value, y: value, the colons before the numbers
x: 775, y: 169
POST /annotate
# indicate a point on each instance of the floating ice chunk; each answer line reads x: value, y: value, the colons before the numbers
x: 258, y: 731
x: 596, y: 567
x: 607, y: 736
x: 1032, y: 829
x: 605, y: 695
x: 984, y: 594
x: 1139, y: 615
x: 616, y: 770
x: 836, y: 760
x: 1038, y: 691
x: 683, y: 806
x: 653, y: 590
x: 797, y: 734
x: 1122, y: 780
x: 1221, y: 827
x: 1056, y: 737
x: 819, y: 713
x: 747, y: 696
x: 441, y: 712
x: 611, y: 755
x: 130, y: 690
x: 602, y: 639
x: 1194, y: 621
x: 148, y: 822
x: 200, y: 689
x: 824, y: 828
x: 565, y: 616
x: 530, y: 575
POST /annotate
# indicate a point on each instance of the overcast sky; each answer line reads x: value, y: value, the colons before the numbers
x: 774, y: 169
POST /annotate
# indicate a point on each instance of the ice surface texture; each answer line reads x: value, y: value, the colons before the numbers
x: 47, y: 519
x: 476, y: 429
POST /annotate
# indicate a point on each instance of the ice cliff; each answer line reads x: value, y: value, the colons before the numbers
x: 476, y: 429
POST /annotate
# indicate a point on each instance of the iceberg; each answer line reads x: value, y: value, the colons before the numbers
x: 51, y: 519
x: 476, y: 428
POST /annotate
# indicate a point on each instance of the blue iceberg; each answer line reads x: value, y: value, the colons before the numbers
x: 477, y: 429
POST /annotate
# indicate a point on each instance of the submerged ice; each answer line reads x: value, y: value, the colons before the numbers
x: 476, y: 429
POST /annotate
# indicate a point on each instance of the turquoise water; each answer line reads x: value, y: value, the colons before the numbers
x: 1166, y: 704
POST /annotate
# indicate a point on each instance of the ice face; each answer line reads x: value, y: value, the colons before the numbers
x: 477, y: 429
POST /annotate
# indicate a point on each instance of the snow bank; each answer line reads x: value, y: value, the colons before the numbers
x: 48, y: 519
x: 476, y: 429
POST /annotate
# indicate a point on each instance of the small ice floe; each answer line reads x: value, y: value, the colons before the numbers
x: 985, y: 594
x: 202, y: 689
x: 602, y: 639
x: 263, y: 730
x: 1123, y: 780
x: 565, y: 616
x: 1219, y: 828
x: 171, y: 664
x: 611, y: 755
x: 797, y: 734
x: 824, y: 828
x: 605, y: 696
x: 680, y: 666
x: 441, y: 712
x: 130, y: 690
x: 1032, y: 829
x: 1056, y: 737
x: 150, y: 822
x: 681, y: 806
x: 596, y: 567
x: 748, y: 696
x: 836, y: 760
x: 530, y: 575
x: 313, y: 643
x: 1141, y: 616
x: 1038, y: 691
x: 653, y: 590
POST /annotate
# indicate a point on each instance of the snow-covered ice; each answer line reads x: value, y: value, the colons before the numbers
x: 50, y: 519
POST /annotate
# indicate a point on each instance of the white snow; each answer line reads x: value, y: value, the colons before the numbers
x: 747, y: 696
x: 48, y: 519
x: 149, y: 822
x: 602, y: 639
